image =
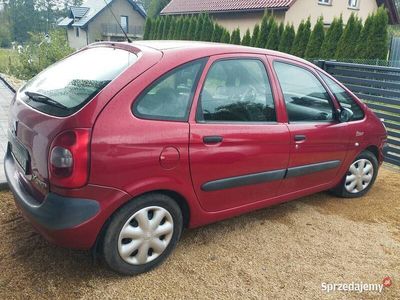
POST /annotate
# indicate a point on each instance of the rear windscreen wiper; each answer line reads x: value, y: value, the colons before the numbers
x: 44, y: 99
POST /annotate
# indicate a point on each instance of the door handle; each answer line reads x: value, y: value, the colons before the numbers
x: 212, y: 139
x: 299, y: 137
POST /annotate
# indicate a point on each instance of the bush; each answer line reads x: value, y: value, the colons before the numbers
x: 192, y: 28
x: 316, y: 39
x: 226, y: 37
x: 217, y: 33
x: 199, y: 28
x: 39, y: 53
x: 362, y: 44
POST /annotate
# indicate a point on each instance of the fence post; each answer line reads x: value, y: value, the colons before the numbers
x: 320, y: 63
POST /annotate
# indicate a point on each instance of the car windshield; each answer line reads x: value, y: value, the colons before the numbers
x: 68, y: 85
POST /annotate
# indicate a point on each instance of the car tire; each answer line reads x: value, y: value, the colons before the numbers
x: 142, y: 234
x: 360, y: 176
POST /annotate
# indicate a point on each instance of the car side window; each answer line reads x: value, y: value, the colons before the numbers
x: 306, y: 98
x: 344, y: 98
x: 237, y: 90
x: 169, y: 98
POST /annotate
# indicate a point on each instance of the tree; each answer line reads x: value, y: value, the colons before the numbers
x: 217, y: 33
x: 235, y: 38
x: 226, y: 37
x: 286, y: 42
x: 208, y: 28
x: 345, y: 49
x: 160, y: 29
x: 147, y: 29
x: 185, y: 28
x: 167, y: 27
x: 333, y: 35
x: 5, y: 28
x: 362, y: 43
x: 316, y: 39
x: 297, y: 41
x: 178, y: 29
x: 264, y: 31
x: 156, y: 6
x: 171, y: 30
x: 378, y: 37
x: 199, y: 27
x: 273, y: 37
x: 192, y: 28
x: 254, y: 37
x: 246, y: 41
x: 281, y: 30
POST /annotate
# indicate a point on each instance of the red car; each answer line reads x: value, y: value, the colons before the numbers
x: 120, y: 146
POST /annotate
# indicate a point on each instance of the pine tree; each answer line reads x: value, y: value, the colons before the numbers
x: 362, y: 43
x: 264, y: 31
x: 160, y: 29
x: 217, y: 33
x: 316, y: 39
x: 378, y: 38
x: 246, y: 41
x: 225, y: 37
x: 235, y: 38
x: 333, y: 35
x: 178, y: 29
x: 199, y: 27
x: 345, y: 49
x: 154, y: 29
x: 273, y: 37
x: 185, y: 28
x: 281, y: 30
x: 254, y: 37
x: 208, y: 28
x: 286, y: 42
x: 147, y: 29
x: 297, y: 41
x: 192, y: 28
x: 305, y: 38
x: 171, y: 30
x: 166, y: 28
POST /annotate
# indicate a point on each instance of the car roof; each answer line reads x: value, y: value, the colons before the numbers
x: 198, y: 49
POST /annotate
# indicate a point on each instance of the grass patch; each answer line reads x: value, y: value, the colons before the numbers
x: 7, y: 57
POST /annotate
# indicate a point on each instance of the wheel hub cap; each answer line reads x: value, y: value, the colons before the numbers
x: 145, y: 235
x: 359, y: 176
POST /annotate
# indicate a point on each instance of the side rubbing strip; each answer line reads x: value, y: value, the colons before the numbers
x: 312, y: 168
x: 232, y: 182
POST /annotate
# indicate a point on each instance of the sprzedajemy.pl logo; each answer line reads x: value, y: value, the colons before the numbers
x: 358, y: 287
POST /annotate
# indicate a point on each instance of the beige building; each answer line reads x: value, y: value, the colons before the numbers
x: 94, y: 21
x: 246, y: 13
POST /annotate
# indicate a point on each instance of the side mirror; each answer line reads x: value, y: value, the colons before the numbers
x: 345, y: 115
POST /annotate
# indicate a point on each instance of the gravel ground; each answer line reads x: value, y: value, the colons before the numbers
x: 285, y: 251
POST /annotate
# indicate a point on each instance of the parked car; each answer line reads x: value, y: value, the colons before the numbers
x: 120, y: 146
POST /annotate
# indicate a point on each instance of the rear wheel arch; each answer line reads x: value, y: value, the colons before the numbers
x: 374, y: 150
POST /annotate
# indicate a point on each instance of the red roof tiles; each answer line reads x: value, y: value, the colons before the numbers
x: 193, y: 6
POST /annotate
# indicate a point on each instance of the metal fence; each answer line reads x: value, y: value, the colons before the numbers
x: 379, y: 88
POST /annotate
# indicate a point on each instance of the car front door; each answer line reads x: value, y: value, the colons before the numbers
x: 319, y: 142
x: 239, y: 148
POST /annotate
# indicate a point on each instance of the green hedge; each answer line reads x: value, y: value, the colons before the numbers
x: 355, y: 40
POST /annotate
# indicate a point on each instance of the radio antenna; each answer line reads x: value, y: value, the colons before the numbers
x: 116, y: 20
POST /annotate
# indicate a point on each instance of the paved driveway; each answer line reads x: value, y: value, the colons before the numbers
x: 5, y: 99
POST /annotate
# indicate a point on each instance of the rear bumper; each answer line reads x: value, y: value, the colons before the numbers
x: 72, y: 222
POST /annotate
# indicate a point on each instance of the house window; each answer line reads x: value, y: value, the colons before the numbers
x: 124, y: 23
x: 354, y: 4
x: 325, y: 2
x: 77, y: 31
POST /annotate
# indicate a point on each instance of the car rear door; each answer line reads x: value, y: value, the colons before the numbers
x: 239, y: 148
x: 318, y: 142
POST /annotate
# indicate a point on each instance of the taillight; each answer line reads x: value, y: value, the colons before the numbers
x: 69, y: 158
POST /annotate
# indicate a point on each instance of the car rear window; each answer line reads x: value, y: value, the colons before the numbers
x: 65, y: 87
